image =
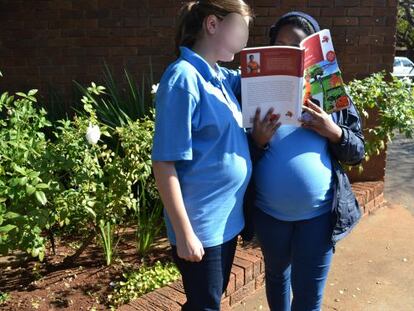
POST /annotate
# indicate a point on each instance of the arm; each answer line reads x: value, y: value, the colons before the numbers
x: 350, y: 149
x: 346, y: 141
x: 189, y: 246
x: 176, y: 110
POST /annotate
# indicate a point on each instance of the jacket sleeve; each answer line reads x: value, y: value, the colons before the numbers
x: 350, y: 150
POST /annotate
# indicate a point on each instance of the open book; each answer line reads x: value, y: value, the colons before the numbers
x: 283, y: 77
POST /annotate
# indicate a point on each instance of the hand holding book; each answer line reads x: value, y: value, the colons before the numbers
x: 316, y: 119
x: 263, y: 129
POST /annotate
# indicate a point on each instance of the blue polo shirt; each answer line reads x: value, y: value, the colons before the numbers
x: 199, y: 127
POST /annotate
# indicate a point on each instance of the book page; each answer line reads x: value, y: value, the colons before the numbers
x: 283, y: 93
x: 323, y: 81
x: 272, y: 77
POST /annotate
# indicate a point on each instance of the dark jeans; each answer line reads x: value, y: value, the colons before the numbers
x: 205, y: 281
x: 297, y: 254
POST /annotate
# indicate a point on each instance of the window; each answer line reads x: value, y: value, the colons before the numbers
x: 406, y: 63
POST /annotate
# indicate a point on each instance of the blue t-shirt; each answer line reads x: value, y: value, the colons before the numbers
x: 294, y: 179
x: 199, y: 127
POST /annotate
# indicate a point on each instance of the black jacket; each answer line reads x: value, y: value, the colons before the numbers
x: 350, y: 151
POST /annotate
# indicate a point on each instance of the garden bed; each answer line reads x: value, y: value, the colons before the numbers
x: 84, y: 285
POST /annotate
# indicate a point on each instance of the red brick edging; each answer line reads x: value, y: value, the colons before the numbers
x: 247, y: 274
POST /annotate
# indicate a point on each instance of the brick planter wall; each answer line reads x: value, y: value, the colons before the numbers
x: 247, y: 273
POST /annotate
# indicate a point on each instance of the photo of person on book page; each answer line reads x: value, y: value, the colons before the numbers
x: 253, y: 63
x: 300, y: 202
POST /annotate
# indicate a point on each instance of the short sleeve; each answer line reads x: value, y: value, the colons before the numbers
x: 233, y: 78
x: 175, y: 108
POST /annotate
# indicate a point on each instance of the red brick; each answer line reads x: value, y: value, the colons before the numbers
x: 247, y: 267
x: 260, y: 281
x: 225, y: 304
x: 173, y: 294
x: 161, y: 302
x: 140, y: 305
x: 369, y: 207
x: 251, y: 258
x: 379, y: 201
x: 242, y: 293
x: 231, y: 287
x: 239, y: 276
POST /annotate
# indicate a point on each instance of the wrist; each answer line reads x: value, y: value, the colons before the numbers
x: 336, y: 136
x: 184, y: 234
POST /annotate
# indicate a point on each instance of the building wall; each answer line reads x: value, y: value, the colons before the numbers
x: 48, y: 43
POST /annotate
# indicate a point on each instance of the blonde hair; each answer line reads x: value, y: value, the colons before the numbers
x: 193, y: 13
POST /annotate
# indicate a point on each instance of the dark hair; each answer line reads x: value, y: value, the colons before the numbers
x: 193, y: 13
x: 295, y: 19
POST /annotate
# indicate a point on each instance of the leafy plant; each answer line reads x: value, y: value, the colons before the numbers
x: 142, y: 281
x: 392, y: 100
x: 118, y: 106
x: 4, y: 296
x: 405, y: 24
x: 25, y: 183
x: 136, y: 143
x: 97, y: 192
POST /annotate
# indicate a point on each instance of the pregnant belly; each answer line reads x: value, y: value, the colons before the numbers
x: 286, y: 180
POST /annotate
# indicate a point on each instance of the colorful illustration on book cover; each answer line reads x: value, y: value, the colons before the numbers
x: 322, y: 79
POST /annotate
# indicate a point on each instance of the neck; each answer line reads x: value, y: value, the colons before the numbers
x: 204, y: 49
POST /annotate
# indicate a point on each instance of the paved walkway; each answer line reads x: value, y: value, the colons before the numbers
x: 399, y: 173
x: 373, y: 268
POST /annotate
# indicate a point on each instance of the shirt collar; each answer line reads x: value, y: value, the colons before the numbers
x: 209, y: 73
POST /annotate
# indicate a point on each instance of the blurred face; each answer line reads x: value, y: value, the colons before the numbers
x: 229, y: 34
x: 290, y: 35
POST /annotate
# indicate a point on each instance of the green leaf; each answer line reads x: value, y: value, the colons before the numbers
x: 41, y: 255
x: 90, y: 211
x: 33, y: 92
x: 23, y: 181
x: 30, y: 189
x: 7, y: 228
x: 19, y: 169
x: 33, y: 174
x: 41, y: 197
x: 42, y: 186
x: 11, y: 215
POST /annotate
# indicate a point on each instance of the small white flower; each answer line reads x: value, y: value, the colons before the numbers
x: 93, y: 134
x: 154, y: 88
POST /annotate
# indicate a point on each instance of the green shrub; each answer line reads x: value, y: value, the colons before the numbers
x: 74, y: 182
x: 25, y: 182
x: 394, y: 102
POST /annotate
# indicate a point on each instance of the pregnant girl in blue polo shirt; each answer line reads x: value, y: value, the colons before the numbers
x: 200, y: 154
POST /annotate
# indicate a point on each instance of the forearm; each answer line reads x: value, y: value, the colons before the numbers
x: 171, y: 196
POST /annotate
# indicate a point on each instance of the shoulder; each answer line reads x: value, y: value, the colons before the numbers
x: 230, y: 73
x: 181, y: 76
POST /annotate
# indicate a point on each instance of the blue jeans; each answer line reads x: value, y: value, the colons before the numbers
x: 206, y: 281
x: 297, y: 255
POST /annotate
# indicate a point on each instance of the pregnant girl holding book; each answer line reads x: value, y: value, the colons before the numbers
x: 303, y: 200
